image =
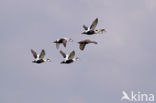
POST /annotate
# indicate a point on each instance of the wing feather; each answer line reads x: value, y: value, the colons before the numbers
x: 63, y: 54
x: 82, y: 46
x: 42, y: 54
x: 64, y: 43
x: 94, y: 24
x: 72, y: 54
x: 34, y: 53
x: 57, y: 45
x: 85, y: 27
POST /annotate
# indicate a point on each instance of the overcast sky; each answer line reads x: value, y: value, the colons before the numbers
x: 124, y: 59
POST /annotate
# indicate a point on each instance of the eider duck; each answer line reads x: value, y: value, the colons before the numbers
x: 39, y: 58
x: 91, y: 30
x: 84, y: 42
x: 68, y: 58
x: 62, y: 41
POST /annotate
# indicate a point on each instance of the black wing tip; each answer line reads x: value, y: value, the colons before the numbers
x: 61, y: 51
x: 96, y: 19
x: 31, y: 50
x: 43, y: 51
x: 73, y: 51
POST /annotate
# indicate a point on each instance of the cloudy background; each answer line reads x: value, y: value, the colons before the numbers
x: 124, y: 59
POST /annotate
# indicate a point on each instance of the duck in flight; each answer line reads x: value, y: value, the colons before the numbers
x: 62, y: 41
x: 68, y: 58
x: 84, y: 42
x: 39, y: 58
x: 92, y: 30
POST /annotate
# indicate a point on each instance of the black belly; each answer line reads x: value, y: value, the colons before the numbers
x: 39, y: 61
x: 61, y: 41
x: 67, y: 62
x: 90, y: 32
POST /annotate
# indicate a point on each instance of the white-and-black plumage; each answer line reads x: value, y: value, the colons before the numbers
x: 62, y: 41
x: 68, y: 58
x: 92, y: 30
x: 39, y: 58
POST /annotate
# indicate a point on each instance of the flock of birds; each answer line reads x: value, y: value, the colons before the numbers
x: 39, y: 58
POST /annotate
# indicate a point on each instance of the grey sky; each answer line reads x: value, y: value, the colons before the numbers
x: 124, y: 58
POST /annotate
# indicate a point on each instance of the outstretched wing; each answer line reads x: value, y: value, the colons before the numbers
x: 34, y: 53
x: 64, y: 43
x: 63, y: 54
x: 92, y: 27
x: 82, y: 46
x: 72, y: 54
x: 57, y: 45
x: 42, y: 54
x: 93, y: 42
x: 85, y: 27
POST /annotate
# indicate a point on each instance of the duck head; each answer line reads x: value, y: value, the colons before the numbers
x: 70, y: 40
x: 77, y: 58
x: 47, y: 60
x: 100, y: 31
x: 103, y: 30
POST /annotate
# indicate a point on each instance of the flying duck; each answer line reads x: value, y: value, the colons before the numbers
x: 68, y: 58
x: 62, y: 41
x: 92, y: 30
x: 39, y: 58
x: 84, y: 42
